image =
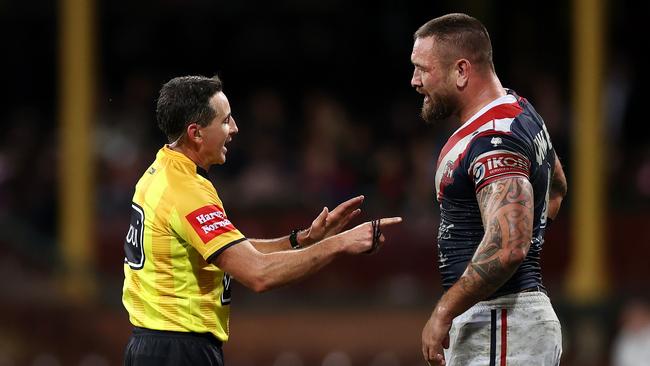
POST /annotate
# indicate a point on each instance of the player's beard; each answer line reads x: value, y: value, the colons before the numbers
x: 440, y: 107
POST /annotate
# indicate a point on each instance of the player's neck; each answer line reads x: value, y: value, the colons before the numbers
x: 483, y: 93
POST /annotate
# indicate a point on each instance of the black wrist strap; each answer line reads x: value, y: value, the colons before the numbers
x: 293, y: 239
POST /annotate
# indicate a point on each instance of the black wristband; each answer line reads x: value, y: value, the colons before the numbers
x: 293, y: 239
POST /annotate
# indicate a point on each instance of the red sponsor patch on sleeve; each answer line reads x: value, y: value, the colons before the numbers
x: 498, y: 164
x: 209, y: 222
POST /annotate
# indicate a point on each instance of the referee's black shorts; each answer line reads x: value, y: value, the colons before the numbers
x: 148, y: 347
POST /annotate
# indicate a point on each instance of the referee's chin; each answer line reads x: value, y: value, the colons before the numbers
x: 221, y: 160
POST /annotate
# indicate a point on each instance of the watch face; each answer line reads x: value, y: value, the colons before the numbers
x: 293, y: 239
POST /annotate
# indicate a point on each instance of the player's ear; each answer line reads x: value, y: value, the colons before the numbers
x: 462, y: 69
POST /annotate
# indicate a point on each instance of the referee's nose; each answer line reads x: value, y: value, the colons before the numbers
x: 233, y: 126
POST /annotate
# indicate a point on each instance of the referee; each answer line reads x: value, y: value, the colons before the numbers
x: 181, y: 249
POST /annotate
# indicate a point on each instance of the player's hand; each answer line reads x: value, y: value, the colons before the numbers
x: 367, y: 237
x: 435, y: 337
x: 331, y: 223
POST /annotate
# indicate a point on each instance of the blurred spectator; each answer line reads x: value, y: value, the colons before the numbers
x: 326, y: 145
x: 632, y: 344
x: 266, y: 178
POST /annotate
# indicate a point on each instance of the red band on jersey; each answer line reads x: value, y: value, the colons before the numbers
x: 498, y: 164
x: 209, y: 222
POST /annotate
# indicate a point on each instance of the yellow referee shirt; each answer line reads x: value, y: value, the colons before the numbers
x: 178, y: 225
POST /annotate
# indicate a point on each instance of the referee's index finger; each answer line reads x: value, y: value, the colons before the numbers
x: 389, y: 221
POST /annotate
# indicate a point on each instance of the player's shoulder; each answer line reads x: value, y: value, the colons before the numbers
x: 500, y: 143
x: 496, y: 141
x: 528, y: 121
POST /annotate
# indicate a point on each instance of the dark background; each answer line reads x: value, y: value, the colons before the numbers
x: 321, y: 93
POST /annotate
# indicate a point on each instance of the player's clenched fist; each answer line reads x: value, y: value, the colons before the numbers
x: 366, y: 237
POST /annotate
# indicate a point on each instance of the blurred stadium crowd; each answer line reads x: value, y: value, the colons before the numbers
x: 325, y: 111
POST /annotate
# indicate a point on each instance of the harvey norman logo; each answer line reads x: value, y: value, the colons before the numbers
x: 209, y: 222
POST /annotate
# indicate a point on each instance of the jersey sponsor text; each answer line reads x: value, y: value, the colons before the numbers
x: 209, y: 222
x: 498, y: 163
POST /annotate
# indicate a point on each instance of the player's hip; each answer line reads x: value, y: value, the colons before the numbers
x: 517, y: 329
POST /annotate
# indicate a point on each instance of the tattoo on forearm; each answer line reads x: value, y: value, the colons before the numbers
x: 507, y: 212
x: 490, y: 271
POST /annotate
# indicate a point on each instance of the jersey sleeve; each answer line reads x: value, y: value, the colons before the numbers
x: 203, y: 223
x: 495, y: 156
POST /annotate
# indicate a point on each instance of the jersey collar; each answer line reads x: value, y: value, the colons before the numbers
x: 181, y: 158
x: 506, y: 99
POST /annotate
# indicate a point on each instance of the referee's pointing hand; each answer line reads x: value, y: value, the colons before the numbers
x: 367, y: 237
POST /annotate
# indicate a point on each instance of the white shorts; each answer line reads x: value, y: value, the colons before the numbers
x: 513, y: 330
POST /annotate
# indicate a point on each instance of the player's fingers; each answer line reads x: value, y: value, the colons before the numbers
x: 428, y: 352
x: 425, y: 352
x: 387, y: 221
x: 431, y: 356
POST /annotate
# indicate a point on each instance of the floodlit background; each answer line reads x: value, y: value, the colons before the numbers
x: 321, y: 92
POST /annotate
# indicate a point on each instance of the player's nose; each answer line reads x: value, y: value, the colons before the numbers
x: 416, y: 80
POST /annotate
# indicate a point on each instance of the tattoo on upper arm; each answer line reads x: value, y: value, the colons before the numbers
x: 507, y: 212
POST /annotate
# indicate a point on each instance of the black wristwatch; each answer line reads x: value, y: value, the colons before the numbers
x: 293, y: 239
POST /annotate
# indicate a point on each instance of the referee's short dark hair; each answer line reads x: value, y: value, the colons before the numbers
x: 184, y: 100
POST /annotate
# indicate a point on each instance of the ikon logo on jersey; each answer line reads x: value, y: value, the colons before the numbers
x: 209, y: 222
x: 498, y: 163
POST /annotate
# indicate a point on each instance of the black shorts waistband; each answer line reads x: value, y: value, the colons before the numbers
x: 535, y: 289
x: 139, y: 331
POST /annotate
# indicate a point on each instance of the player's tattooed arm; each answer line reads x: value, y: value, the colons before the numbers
x: 507, y: 212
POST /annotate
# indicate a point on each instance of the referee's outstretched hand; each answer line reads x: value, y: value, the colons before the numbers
x: 366, y: 237
x: 329, y: 223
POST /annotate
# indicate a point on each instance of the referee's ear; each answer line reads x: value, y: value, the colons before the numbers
x: 194, y: 132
